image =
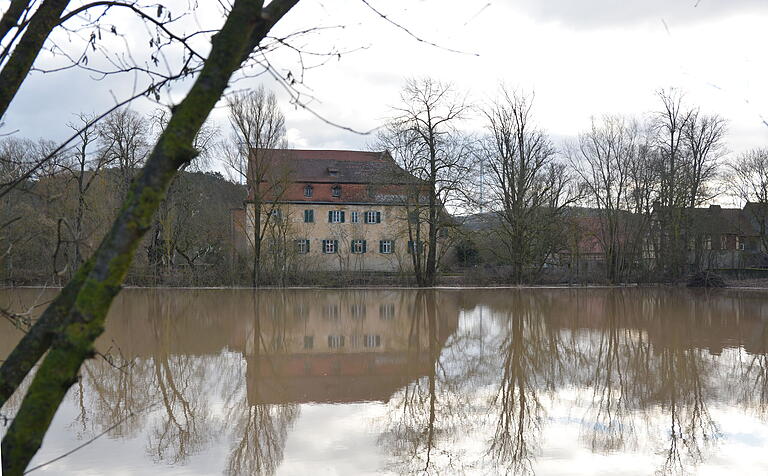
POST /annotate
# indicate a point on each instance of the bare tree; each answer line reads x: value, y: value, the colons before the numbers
x: 259, y: 134
x: 612, y: 162
x: 84, y: 166
x: 125, y: 138
x: 747, y: 177
x: 424, y: 139
x: 530, y: 189
x: 704, y: 137
x: 669, y: 123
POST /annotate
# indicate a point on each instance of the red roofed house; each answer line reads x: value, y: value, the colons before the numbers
x: 334, y: 209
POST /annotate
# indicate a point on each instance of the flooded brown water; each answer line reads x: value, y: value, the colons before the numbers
x: 354, y: 382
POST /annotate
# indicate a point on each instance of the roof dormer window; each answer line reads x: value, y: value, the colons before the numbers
x: 333, y: 172
x: 336, y: 191
x: 308, y: 191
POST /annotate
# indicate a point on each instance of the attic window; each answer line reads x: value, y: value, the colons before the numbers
x: 333, y: 172
x: 308, y: 191
x: 336, y: 191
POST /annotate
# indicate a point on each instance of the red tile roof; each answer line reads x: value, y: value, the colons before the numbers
x: 363, y: 177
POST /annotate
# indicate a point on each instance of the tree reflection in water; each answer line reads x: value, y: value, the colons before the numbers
x: 530, y: 362
x: 467, y: 381
x: 426, y: 417
x: 259, y: 430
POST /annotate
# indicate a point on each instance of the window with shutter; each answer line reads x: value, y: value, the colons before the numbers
x: 413, y: 246
x: 335, y: 216
x: 358, y: 246
x: 309, y: 216
x: 330, y: 246
x: 378, y: 217
x: 334, y: 342
x: 302, y: 246
x: 386, y: 246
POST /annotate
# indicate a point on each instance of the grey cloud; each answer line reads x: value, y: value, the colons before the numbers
x: 606, y: 13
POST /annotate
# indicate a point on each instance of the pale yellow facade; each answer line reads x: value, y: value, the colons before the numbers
x: 291, y: 226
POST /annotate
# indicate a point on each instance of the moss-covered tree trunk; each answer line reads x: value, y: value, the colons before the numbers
x: 79, y: 312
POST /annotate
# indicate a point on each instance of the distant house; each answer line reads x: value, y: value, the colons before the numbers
x: 335, y: 209
x: 588, y: 240
x: 757, y: 214
x: 722, y: 238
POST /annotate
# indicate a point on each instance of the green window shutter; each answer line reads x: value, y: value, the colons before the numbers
x: 381, y: 246
x: 335, y: 246
x: 364, y: 246
x: 342, y: 216
x: 352, y: 246
x: 330, y: 216
x: 378, y: 217
x: 307, y: 245
x: 324, y: 248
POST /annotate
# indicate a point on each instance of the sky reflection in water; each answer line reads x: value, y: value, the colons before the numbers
x: 540, y: 381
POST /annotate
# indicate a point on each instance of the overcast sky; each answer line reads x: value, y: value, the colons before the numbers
x: 581, y: 58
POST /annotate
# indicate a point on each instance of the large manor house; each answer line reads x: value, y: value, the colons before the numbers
x: 331, y: 209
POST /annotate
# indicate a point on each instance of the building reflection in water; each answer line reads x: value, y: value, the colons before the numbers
x: 467, y: 381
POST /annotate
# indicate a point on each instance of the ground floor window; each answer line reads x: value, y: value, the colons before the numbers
x: 386, y: 246
x: 330, y: 246
x: 358, y: 246
x: 302, y: 247
x: 419, y: 247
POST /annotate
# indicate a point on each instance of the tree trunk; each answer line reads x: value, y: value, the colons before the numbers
x: 78, y: 314
x: 16, y: 69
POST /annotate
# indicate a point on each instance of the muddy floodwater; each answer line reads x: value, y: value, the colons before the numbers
x: 355, y: 382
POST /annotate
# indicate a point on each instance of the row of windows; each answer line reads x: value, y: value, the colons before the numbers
x: 339, y: 216
x: 333, y: 311
x: 355, y: 246
x: 359, y: 311
x: 338, y: 341
x: 739, y: 241
x: 336, y: 216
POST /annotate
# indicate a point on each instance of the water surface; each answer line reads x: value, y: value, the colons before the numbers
x: 295, y: 382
